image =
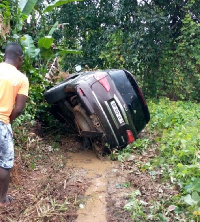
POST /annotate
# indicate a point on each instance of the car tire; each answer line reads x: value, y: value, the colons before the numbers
x: 55, y: 94
x: 82, y: 120
x: 83, y: 123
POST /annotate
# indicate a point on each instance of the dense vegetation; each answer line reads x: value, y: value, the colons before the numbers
x: 157, y: 40
x: 175, y: 131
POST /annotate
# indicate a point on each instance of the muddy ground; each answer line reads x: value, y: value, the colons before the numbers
x: 64, y: 182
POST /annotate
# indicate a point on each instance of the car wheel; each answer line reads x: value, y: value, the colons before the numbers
x: 83, y: 121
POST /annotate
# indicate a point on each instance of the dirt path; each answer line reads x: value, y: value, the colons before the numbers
x: 73, y: 185
x: 70, y: 185
x: 93, y: 208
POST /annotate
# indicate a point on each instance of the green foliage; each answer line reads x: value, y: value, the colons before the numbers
x: 27, y: 6
x: 57, y: 3
x: 53, y: 28
x: 113, y: 54
x: 177, y: 125
x: 29, y: 47
x: 92, y: 19
x: 38, y: 51
x: 174, y: 130
x: 45, y: 42
x: 5, y: 11
x: 157, y: 41
x: 138, y: 209
x: 139, y: 145
x: 182, y: 64
x: 135, y: 206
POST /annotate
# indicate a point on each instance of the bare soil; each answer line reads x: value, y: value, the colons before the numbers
x: 72, y: 184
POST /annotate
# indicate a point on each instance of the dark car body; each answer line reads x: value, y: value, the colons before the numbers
x: 107, y: 106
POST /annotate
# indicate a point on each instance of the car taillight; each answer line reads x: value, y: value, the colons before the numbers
x: 101, y: 77
x: 130, y: 137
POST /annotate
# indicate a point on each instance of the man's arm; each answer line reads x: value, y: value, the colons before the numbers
x: 20, y: 104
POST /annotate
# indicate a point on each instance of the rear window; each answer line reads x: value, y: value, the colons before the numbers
x: 129, y: 95
x: 124, y: 87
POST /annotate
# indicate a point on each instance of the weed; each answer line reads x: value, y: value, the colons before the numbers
x: 136, y: 207
x: 175, y: 127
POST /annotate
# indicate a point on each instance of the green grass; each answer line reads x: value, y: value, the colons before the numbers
x: 175, y: 129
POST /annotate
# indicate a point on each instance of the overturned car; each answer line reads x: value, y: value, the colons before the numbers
x: 107, y: 107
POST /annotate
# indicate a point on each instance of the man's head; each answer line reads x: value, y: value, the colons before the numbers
x: 14, y: 55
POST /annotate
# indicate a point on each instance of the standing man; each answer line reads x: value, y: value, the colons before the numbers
x: 14, y: 87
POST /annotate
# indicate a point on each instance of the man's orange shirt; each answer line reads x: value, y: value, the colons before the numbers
x: 12, y: 82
